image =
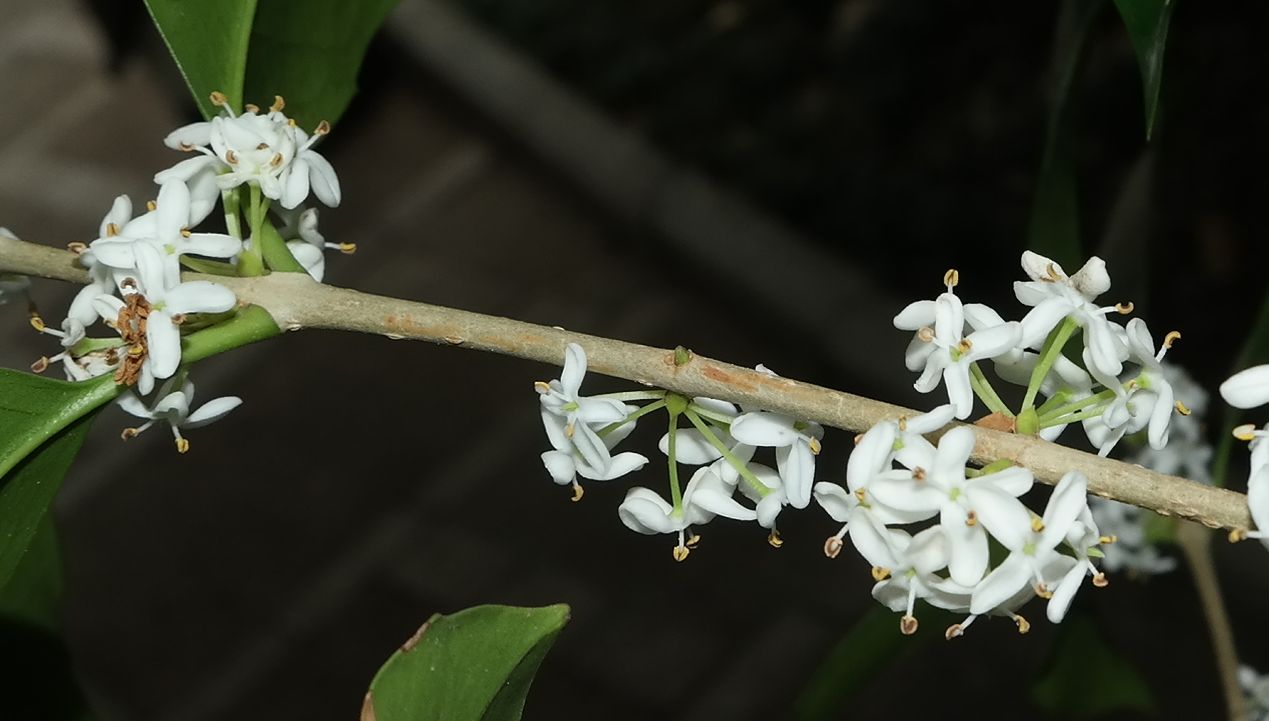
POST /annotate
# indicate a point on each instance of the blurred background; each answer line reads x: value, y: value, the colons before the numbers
x: 761, y: 181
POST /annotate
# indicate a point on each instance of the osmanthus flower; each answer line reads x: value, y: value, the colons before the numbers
x: 967, y: 507
x: 1054, y: 296
x: 173, y: 408
x: 306, y: 242
x: 1188, y: 452
x: 872, y: 459
x: 571, y: 420
x: 1083, y: 539
x: 906, y: 569
x: 266, y: 150
x: 1033, y: 558
x: 950, y: 352
x: 796, y: 443
x: 1256, y: 692
x: 706, y: 496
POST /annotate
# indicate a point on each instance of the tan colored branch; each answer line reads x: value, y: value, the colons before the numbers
x: 296, y: 302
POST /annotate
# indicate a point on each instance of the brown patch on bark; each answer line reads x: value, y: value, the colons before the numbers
x: 715, y: 373
x: 997, y: 422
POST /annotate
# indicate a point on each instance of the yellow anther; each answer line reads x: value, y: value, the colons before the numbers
x: 918, y: 474
x: 231, y: 157
x: 568, y: 430
x: 953, y: 631
x: 185, y: 233
x: 151, y: 206
x: 680, y: 553
x: 832, y: 546
x: 815, y: 446
x: 578, y: 492
x: 694, y: 541
x: 218, y: 98
x: 290, y: 122
x: 926, y: 334
x: 322, y: 128
x: 965, y: 345
x: 348, y: 248
x: 1023, y: 624
x: 129, y: 433
x: 971, y: 519
x: 40, y: 365
x: 111, y: 230
x: 182, y: 445
x: 908, y: 625
x: 952, y: 278
x: 1171, y: 338
x: 251, y: 108
x: 880, y: 574
x: 1043, y: 591
x: 903, y: 423
x: 78, y: 248
x: 1238, y: 534
x: 1245, y: 432
x: 37, y: 323
x: 1124, y: 308
x: 860, y: 493
x: 1100, y: 580
x: 1181, y: 408
x: 542, y: 387
x: 278, y: 104
x: 774, y: 539
x: 276, y: 160
x: 1037, y: 524
x: 1054, y: 274
x: 1106, y: 540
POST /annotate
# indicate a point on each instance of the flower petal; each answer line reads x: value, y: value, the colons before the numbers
x: 1247, y: 388
x: 560, y: 465
x: 644, y: 511
x: 212, y: 411
x: 968, y: 545
x: 760, y: 428
x: 324, y: 181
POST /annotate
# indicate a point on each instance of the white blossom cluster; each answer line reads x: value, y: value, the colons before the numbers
x: 1249, y: 388
x: 135, y: 263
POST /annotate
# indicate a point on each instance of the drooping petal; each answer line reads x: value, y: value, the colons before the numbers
x: 928, y: 551
x: 1091, y: 280
x: 690, y: 447
x: 1247, y: 388
x: 599, y: 411
x: 643, y: 511
x: 872, y: 540
x: 200, y: 296
x: 1000, y: 513
x: 1068, y: 499
x: 1042, y: 319
x: 769, y: 507
x: 932, y: 420
x: 915, y: 316
x: 991, y: 342
x: 959, y: 390
x: 949, y: 319
x: 1007, y: 579
x: 719, y: 503
x: 295, y: 189
x: 872, y: 455
x: 593, y: 451
x: 163, y: 342
x: 934, y: 365
x: 1014, y: 480
x: 917, y: 354
x: 561, y: 467
x: 173, y: 210
x: 213, y: 245
x: 618, y: 466
x: 212, y: 411
x: 760, y: 428
x: 1065, y: 593
x: 324, y: 181
x: 1160, y: 415
x: 953, y: 453
x: 555, y: 426
x: 797, y: 471
x: 907, y: 494
x: 188, y: 136
x: 835, y: 500
x: 574, y: 370
x: 118, y: 216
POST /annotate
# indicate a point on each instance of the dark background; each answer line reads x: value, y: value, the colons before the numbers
x: 366, y: 484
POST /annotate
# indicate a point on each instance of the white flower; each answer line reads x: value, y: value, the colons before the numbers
x: 1082, y: 538
x: 796, y: 443
x: 1256, y: 690
x: 1054, y: 297
x: 705, y: 497
x: 1247, y: 388
x: 967, y: 508
x: 950, y: 353
x: 1131, y: 550
x: 306, y: 243
x: 173, y: 408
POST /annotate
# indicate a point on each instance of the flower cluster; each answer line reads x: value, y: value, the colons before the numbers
x: 1249, y: 388
x: 243, y: 161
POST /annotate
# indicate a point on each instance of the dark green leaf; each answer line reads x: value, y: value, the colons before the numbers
x: 1055, y: 225
x: 309, y: 51
x: 1086, y: 678
x: 209, y: 41
x: 1147, y: 22
x: 33, y: 594
x: 474, y: 665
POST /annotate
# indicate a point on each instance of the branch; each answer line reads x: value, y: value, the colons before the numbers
x: 296, y: 301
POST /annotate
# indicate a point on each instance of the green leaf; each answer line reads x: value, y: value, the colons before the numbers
x: 209, y: 41
x: 48, y: 415
x: 474, y: 665
x: 1086, y: 678
x: 309, y: 51
x: 1147, y: 22
x: 1055, y: 225
x: 33, y: 595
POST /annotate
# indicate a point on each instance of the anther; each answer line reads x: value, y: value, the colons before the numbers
x: 542, y: 387
x: 1106, y: 540
x: 231, y: 157
x: 918, y: 474
x: 77, y: 247
x: 953, y: 631
x: 1181, y: 408
x: 1037, y: 524
x: 568, y: 430
x: 1245, y: 432
x: 1100, y: 580
x: 251, y: 108
x: 1238, y: 534
x: 926, y: 334
x: 111, y: 230
x: 858, y: 437
x: 276, y: 160
x: 903, y: 424
x: 1124, y: 308
x: 40, y: 365
x: 1053, y: 273
x: 1171, y: 338
x: 880, y: 574
x: 860, y: 493
x: 965, y: 345
x: 578, y: 492
x: 151, y: 206
x: 178, y: 319
x: 680, y: 553
x: 129, y: 433
x: 1043, y: 591
x: 322, y: 128
x: 278, y: 104
x: 218, y: 99
x: 815, y: 446
x: 185, y: 233
x: 1023, y: 624
x: 971, y: 519
x: 37, y: 323
x: 774, y: 539
x: 348, y: 248
x: 832, y: 546
x: 952, y: 278
x: 182, y: 445
x: 908, y: 625
x: 694, y: 541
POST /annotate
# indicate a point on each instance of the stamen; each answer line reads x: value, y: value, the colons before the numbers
x: 952, y: 278
x: 278, y: 104
x: 903, y: 424
x: 918, y: 474
x: 218, y: 99
x: 681, y: 552
x: 231, y: 157
x: 578, y: 492
x: 1053, y: 273
x: 182, y: 445
x: 1100, y: 580
x: 833, y: 546
x: 1170, y: 338
x: 129, y: 433
x: 251, y: 108
x: 858, y: 437
x: 276, y: 160
x: 347, y: 248
x: 815, y: 446
x: 926, y: 334
x: 860, y: 493
x: 880, y: 574
x: 1023, y: 624
x: 322, y: 128
x: 774, y: 539
x: 908, y: 625
x: 1037, y: 524
x: 953, y: 631
x: 568, y: 430
x: 151, y: 206
x: 1124, y: 308
x: 38, y: 324
x: 1106, y: 540
x: 542, y: 387
x: 185, y: 233
x: 965, y: 345
x: 1245, y: 432
x: 1181, y: 408
x: 1238, y: 534
x: 79, y: 248
x: 111, y: 230
x: 1043, y: 591
x: 40, y: 365
x: 971, y: 519
x: 694, y: 541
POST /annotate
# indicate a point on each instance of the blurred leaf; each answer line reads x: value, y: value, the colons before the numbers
x: 1086, y: 678
x: 1147, y: 22
x: 309, y: 52
x: 42, y: 424
x: 1055, y: 222
x: 868, y: 648
x: 474, y: 665
x: 209, y: 40
x: 34, y: 593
